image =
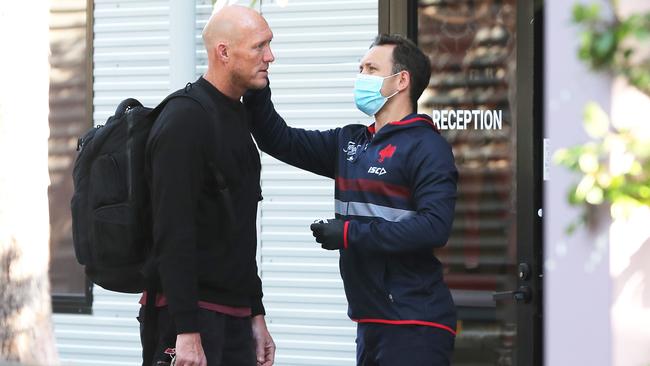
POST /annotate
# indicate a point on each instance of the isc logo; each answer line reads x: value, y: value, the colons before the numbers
x: 376, y: 170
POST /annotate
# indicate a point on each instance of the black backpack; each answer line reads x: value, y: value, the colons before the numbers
x: 111, y: 209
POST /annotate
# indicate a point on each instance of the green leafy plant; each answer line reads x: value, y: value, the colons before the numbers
x: 615, y: 165
x: 612, y: 45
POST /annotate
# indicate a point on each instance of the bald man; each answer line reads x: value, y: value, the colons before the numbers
x: 210, y: 307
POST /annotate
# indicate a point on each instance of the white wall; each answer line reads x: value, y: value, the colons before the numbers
x: 577, y: 283
x: 630, y: 238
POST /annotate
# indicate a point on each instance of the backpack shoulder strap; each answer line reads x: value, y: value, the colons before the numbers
x: 199, y: 96
x: 187, y: 92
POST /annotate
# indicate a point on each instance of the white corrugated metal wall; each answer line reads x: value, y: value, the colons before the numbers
x: 317, y: 45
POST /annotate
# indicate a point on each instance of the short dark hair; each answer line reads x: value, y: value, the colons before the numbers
x: 407, y: 56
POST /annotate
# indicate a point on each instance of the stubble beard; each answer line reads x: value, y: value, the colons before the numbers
x: 246, y: 83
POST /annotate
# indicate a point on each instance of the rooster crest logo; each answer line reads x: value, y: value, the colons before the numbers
x: 386, y: 152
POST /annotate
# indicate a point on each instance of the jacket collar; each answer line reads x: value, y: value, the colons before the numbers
x: 410, y: 121
x: 218, y: 97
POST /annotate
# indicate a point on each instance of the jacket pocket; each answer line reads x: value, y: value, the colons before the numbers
x: 406, y: 280
x: 364, y: 281
x: 387, y: 281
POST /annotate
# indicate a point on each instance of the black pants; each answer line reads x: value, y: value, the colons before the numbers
x: 226, y: 340
x: 397, y: 345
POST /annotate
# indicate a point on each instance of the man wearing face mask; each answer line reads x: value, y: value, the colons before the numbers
x: 395, y: 194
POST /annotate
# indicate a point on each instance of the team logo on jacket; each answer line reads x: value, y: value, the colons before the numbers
x: 351, y: 150
x: 386, y: 153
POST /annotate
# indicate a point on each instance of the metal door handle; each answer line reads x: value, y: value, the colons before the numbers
x: 522, y: 294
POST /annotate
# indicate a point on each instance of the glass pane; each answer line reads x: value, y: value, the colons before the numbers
x: 68, y: 121
x: 471, y: 45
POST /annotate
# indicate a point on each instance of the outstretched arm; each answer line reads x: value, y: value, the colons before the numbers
x: 311, y: 150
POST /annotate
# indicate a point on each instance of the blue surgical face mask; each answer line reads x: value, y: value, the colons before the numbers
x: 367, y: 93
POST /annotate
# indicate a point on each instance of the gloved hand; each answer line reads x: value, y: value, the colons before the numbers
x: 330, y: 233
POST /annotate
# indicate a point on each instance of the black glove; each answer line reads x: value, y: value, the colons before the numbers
x: 330, y: 233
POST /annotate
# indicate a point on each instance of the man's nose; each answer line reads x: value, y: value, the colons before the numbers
x: 268, y: 55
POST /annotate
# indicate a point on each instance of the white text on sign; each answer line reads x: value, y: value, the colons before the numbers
x: 464, y: 119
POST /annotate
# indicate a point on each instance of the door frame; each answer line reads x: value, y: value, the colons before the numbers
x: 398, y: 16
x: 530, y: 133
x: 81, y: 302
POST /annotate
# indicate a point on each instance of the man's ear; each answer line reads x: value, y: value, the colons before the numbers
x: 404, y: 80
x: 222, y: 52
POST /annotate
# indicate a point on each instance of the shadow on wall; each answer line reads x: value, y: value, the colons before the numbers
x: 630, y: 311
x: 635, y: 277
x: 68, y: 119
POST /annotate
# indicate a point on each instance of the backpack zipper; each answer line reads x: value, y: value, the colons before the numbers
x: 81, y: 140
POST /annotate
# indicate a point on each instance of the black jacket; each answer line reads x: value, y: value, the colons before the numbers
x: 200, y: 254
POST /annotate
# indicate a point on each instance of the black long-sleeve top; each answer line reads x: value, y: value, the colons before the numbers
x: 200, y: 254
